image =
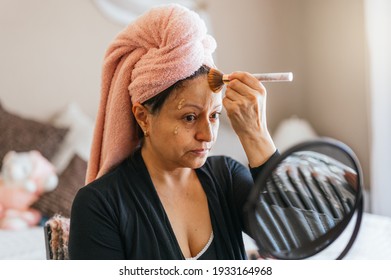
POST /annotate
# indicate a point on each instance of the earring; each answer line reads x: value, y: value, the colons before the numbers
x: 146, y: 134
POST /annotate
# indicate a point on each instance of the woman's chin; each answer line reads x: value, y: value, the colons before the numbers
x: 197, y: 163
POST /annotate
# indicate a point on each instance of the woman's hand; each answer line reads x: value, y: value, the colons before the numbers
x: 245, y: 102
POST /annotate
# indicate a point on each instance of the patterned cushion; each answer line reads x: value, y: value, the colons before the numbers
x: 21, y: 135
x: 60, y: 200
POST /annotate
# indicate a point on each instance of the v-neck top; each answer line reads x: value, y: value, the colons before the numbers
x: 120, y: 215
x: 208, y: 252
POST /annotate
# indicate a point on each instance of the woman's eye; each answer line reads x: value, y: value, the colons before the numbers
x: 215, y: 115
x: 190, y: 118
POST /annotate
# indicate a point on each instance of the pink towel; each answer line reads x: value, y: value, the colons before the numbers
x: 163, y: 46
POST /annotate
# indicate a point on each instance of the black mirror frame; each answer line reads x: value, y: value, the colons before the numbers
x: 327, y: 239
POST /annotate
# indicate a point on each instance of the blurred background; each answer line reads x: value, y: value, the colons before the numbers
x: 52, y: 50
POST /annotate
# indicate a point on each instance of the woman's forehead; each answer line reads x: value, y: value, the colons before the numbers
x: 195, y: 91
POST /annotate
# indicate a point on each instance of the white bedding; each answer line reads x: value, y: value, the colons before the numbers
x: 23, y: 244
x: 373, y: 242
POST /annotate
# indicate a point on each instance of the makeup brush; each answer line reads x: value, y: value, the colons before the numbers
x: 217, y: 79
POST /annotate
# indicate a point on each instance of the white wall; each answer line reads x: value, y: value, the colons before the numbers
x: 379, y: 44
x: 263, y: 36
x: 336, y: 88
x: 51, y: 54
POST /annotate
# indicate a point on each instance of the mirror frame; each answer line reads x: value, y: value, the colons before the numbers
x: 328, y: 238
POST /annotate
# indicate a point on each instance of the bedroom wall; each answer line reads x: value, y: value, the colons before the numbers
x: 336, y: 90
x: 263, y: 36
x: 51, y: 54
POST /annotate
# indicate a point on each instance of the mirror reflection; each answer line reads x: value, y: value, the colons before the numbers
x: 304, y: 197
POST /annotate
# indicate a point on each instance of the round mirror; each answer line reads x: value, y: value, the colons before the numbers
x: 305, y: 199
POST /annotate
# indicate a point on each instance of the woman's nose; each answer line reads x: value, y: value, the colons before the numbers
x: 205, y: 132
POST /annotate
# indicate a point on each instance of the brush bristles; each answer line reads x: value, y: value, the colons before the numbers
x: 215, y: 80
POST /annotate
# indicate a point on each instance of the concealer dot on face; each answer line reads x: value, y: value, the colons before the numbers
x: 176, y: 130
x: 180, y: 104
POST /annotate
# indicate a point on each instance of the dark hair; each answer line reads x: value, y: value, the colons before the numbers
x: 155, y: 103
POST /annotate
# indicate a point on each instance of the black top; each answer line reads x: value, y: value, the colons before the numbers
x: 120, y: 215
x: 210, y: 252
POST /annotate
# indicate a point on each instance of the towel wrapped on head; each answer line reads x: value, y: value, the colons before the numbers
x: 165, y: 45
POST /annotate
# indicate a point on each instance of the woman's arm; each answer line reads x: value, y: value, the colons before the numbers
x: 245, y: 102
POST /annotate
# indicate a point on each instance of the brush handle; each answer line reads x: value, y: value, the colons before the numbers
x: 275, y: 77
x: 268, y: 77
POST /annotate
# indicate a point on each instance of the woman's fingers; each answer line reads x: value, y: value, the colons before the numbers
x: 245, y: 103
x: 244, y: 88
x: 232, y: 94
x: 244, y: 82
x: 240, y: 87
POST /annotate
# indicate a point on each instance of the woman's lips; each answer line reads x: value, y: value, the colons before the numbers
x: 200, y: 152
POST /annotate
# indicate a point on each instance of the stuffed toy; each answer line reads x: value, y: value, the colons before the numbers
x: 24, y: 177
x: 28, y: 170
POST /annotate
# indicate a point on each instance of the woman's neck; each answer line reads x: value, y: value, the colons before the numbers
x: 162, y: 174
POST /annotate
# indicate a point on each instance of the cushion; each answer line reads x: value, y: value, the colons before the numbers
x: 60, y: 200
x: 22, y: 134
x: 292, y: 131
x: 78, y: 139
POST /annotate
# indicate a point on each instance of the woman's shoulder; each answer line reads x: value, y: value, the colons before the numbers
x: 116, y: 176
x: 110, y: 183
x: 221, y: 160
x: 98, y: 191
x: 223, y: 163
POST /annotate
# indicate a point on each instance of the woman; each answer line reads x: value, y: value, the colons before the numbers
x: 157, y: 194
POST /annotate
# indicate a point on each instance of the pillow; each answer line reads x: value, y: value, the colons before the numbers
x: 60, y: 200
x: 292, y: 131
x: 78, y: 139
x: 21, y: 135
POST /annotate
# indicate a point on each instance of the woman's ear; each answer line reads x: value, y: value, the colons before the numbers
x: 141, y: 113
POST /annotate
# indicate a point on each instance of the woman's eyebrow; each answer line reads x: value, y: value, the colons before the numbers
x: 199, y: 107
